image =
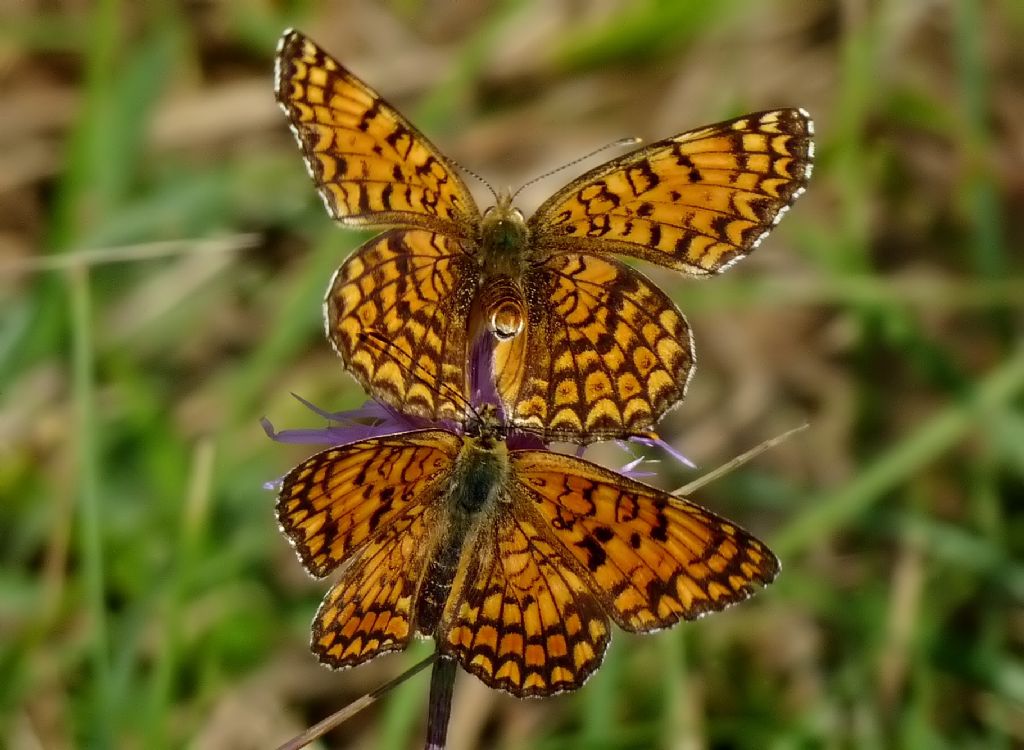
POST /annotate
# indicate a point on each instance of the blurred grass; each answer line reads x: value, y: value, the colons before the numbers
x: 902, y: 460
x: 90, y: 510
x: 146, y: 598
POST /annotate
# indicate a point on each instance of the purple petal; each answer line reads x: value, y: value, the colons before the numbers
x: 370, y: 420
x: 632, y: 470
x: 369, y: 410
x: 330, y: 435
x: 652, y: 439
x: 481, y: 373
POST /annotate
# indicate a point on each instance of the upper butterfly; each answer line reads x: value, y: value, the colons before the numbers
x: 587, y: 348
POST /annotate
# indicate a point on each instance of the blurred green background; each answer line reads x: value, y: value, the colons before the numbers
x: 147, y: 599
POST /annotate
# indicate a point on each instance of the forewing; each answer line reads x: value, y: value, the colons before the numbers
x: 605, y: 353
x: 397, y: 313
x: 697, y: 202
x: 371, y: 165
x: 520, y: 618
x: 654, y: 559
x: 341, y: 498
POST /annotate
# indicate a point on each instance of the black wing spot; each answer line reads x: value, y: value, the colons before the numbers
x: 720, y: 225
x: 596, y: 555
x: 641, y: 178
x: 369, y: 115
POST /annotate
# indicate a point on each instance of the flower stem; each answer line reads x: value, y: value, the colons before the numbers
x: 442, y: 685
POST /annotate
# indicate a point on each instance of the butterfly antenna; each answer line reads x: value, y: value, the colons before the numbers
x: 416, y: 370
x: 471, y: 173
x: 632, y: 141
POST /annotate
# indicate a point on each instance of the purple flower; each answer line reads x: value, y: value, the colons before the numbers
x: 481, y: 374
x: 652, y: 439
x: 374, y: 419
x: 633, y: 471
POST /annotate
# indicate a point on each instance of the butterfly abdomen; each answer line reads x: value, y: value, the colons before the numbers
x: 437, y: 583
x: 474, y: 486
x: 503, y: 305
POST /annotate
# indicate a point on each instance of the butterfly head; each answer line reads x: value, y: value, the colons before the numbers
x: 485, y: 425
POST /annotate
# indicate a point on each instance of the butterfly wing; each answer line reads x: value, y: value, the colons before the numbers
x: 519, y: 617
x: 368, y: 508
x: 371, y: 165
x: 653, y: 558
x: 369, y: 611
x: 335, y: 501
x: 605, y: 353
x: 413, y: 290
x: 697, y: 202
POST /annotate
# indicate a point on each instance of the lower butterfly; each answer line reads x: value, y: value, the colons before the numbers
x: 513, y: 561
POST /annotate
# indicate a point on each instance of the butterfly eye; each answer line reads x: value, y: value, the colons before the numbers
x: 518, y: 214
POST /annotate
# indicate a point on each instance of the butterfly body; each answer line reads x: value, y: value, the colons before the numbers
x: 587, y: 348
x: 503, y: 246
x: 467, y: 503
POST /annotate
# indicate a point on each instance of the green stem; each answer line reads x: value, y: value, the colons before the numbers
x: 89, y: 511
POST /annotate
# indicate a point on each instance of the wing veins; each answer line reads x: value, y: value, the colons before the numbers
x: 369, y: 269
x: 580, y: 283
x: 617, y: 211
x: 411, y: 378
x: 699, y: 552
x: 496, y: 565
x: 608, y: 560
x: 430, y: 488
x: 398, y: 298
x: 560, y: 608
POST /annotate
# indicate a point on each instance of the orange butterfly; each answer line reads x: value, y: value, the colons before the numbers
x: 587, y: 348
x: 512, y: 560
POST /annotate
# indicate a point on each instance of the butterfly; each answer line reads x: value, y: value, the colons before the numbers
x: 513, y: 560
x: 586, y: 347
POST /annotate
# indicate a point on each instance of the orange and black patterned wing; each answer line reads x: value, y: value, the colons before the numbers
x: 370, y: 610
x: 653, y: 559
x: 338, y: 500
x: 697, y: 202
x: 520, y: 618
x: 370, y: 508
x: 371, y: 165
x: 397, y: 313
x: 605, y: 352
